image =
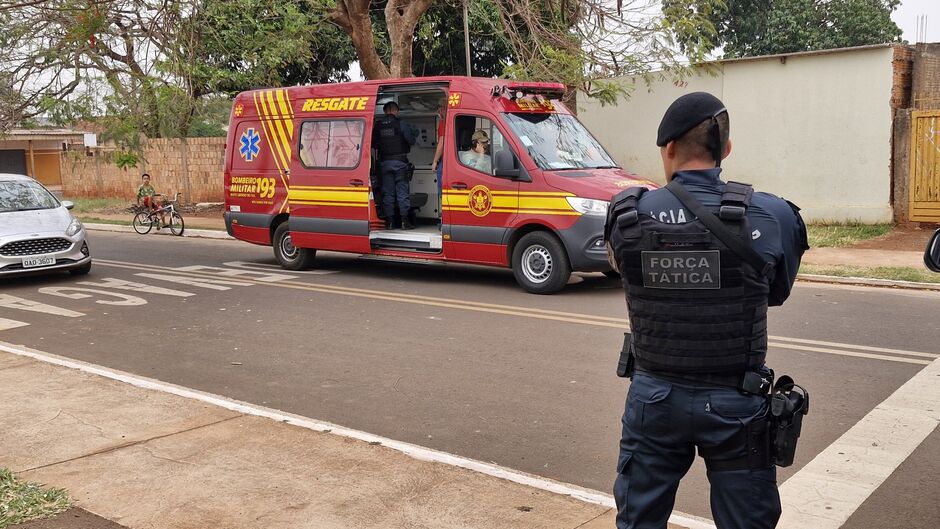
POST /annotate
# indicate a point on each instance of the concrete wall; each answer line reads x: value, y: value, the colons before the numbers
x: 190, y: 166
x: 814, y: 128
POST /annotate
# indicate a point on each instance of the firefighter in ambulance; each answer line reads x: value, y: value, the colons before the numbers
x: 701, y: 260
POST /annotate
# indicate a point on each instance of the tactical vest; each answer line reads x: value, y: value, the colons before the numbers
x: 697, y: 308
x: 391, y: 140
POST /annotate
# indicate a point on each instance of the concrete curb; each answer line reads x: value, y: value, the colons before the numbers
x: 868, y: 282
x: 188, y: 232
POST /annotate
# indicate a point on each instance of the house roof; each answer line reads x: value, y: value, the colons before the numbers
x: 60, y: 134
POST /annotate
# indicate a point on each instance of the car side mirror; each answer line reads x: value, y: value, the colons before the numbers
x: 68, y: 204
x: 932, y: 253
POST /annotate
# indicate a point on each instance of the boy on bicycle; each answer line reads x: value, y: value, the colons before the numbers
x: 147, y: 196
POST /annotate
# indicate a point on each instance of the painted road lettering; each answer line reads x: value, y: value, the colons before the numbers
x: 267, y: 277
x: 121, y: 284
x: 124, y: 300
x: 13, y: 302
x: 211, y: 284
x: 11, y: 324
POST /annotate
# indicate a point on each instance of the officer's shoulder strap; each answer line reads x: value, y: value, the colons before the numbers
x: 622, y: 210
x: 734, y: 243
x: 735, y: 200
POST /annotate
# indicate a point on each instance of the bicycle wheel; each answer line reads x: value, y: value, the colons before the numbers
x: 176, y: 223
x: 142, y: 223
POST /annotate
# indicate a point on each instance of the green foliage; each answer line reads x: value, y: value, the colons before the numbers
x: 766, y: 27
x: 21, y: 501
x: 439, y: 41
x: 125, y: 159
x: 249, y: 44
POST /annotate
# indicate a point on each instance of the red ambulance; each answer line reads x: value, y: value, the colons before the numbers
x: 301, y: 175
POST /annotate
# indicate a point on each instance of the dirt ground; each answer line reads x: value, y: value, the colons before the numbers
x: 73, y: 518
x: 901, y: 238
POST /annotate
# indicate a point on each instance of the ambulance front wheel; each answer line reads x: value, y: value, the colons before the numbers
x: 540, y: 263
x: 288, y: 255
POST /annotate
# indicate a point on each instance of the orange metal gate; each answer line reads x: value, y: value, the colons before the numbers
x: 925, y: 166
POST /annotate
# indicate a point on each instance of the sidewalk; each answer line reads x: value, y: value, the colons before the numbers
x: 146, y: 458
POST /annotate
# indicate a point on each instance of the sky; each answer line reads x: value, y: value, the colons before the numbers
x: 906, y: 18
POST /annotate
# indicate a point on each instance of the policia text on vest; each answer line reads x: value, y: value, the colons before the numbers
x: 698, y: 291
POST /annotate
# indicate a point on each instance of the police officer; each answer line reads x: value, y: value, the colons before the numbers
x: 393, y: 139
x: 701, y: 260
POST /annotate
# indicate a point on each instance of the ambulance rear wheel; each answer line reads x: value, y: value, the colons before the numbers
x: 540, y: 263
x: 288, y: 255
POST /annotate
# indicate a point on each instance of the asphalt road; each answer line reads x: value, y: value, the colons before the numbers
x: 458, y: 358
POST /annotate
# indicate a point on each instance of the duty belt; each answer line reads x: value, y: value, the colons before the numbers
x: 396, y: 157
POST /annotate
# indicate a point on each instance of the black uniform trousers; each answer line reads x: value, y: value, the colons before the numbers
x: 663, y: 423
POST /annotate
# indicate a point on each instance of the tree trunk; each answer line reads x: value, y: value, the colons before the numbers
x: 353, y: 17
x: 401, y: 18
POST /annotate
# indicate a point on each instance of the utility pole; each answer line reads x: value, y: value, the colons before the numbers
x: 466, y: 37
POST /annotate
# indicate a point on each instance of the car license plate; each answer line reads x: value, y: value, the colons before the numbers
x: 33, y: 262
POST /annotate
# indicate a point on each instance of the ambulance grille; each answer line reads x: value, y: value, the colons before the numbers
x: 35, y: 247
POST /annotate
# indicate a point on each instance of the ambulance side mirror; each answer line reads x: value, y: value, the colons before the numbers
x: 506, y: 165
x: 932, y: 253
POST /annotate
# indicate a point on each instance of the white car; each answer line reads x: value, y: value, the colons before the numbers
x: 37, y: 232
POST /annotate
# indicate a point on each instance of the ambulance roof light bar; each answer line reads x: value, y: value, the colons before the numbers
x: 518, y: 90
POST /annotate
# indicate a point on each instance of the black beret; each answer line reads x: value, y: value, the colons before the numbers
x: 685, y: 113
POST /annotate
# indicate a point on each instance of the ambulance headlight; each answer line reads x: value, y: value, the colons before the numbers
x: 588, y: 206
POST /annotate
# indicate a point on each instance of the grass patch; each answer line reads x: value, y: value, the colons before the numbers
x: 21, y: 501
x: 880, y: 272
x: 96, y: 220
x: 839, y: 235
x: 84, y: 205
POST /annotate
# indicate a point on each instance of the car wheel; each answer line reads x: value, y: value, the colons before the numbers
x: 142, y: 223
x: 288, y: 255
x: 176, y: 223
x: 81, y: 270
x: 540, y: 263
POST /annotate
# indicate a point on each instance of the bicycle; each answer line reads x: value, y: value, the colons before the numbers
x: 145, y: 218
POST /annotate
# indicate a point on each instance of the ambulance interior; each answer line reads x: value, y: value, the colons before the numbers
x: 419, y: 107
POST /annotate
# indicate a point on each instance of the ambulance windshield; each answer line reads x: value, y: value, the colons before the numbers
x: 558, y: 141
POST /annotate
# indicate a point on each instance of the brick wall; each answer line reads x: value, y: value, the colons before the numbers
x: 926, y: 77
x: 191, y: 166
x: 903, y: 63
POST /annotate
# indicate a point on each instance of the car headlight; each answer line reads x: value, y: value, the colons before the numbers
x: 588, y: 206
x: 74, y: 227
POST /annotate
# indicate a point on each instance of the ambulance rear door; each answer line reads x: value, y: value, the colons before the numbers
x: 330, y: 189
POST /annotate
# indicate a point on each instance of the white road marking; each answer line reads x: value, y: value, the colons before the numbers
x: 11, y: 324
x: 264, y: 266
x: 849, y: 353
x: 825, y: 493
x: 121, y: 284
x: 212, y: 284
x: 126, y: 300
x: 858, y: 347
x: 418, y: 452
x: 13, y: 302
